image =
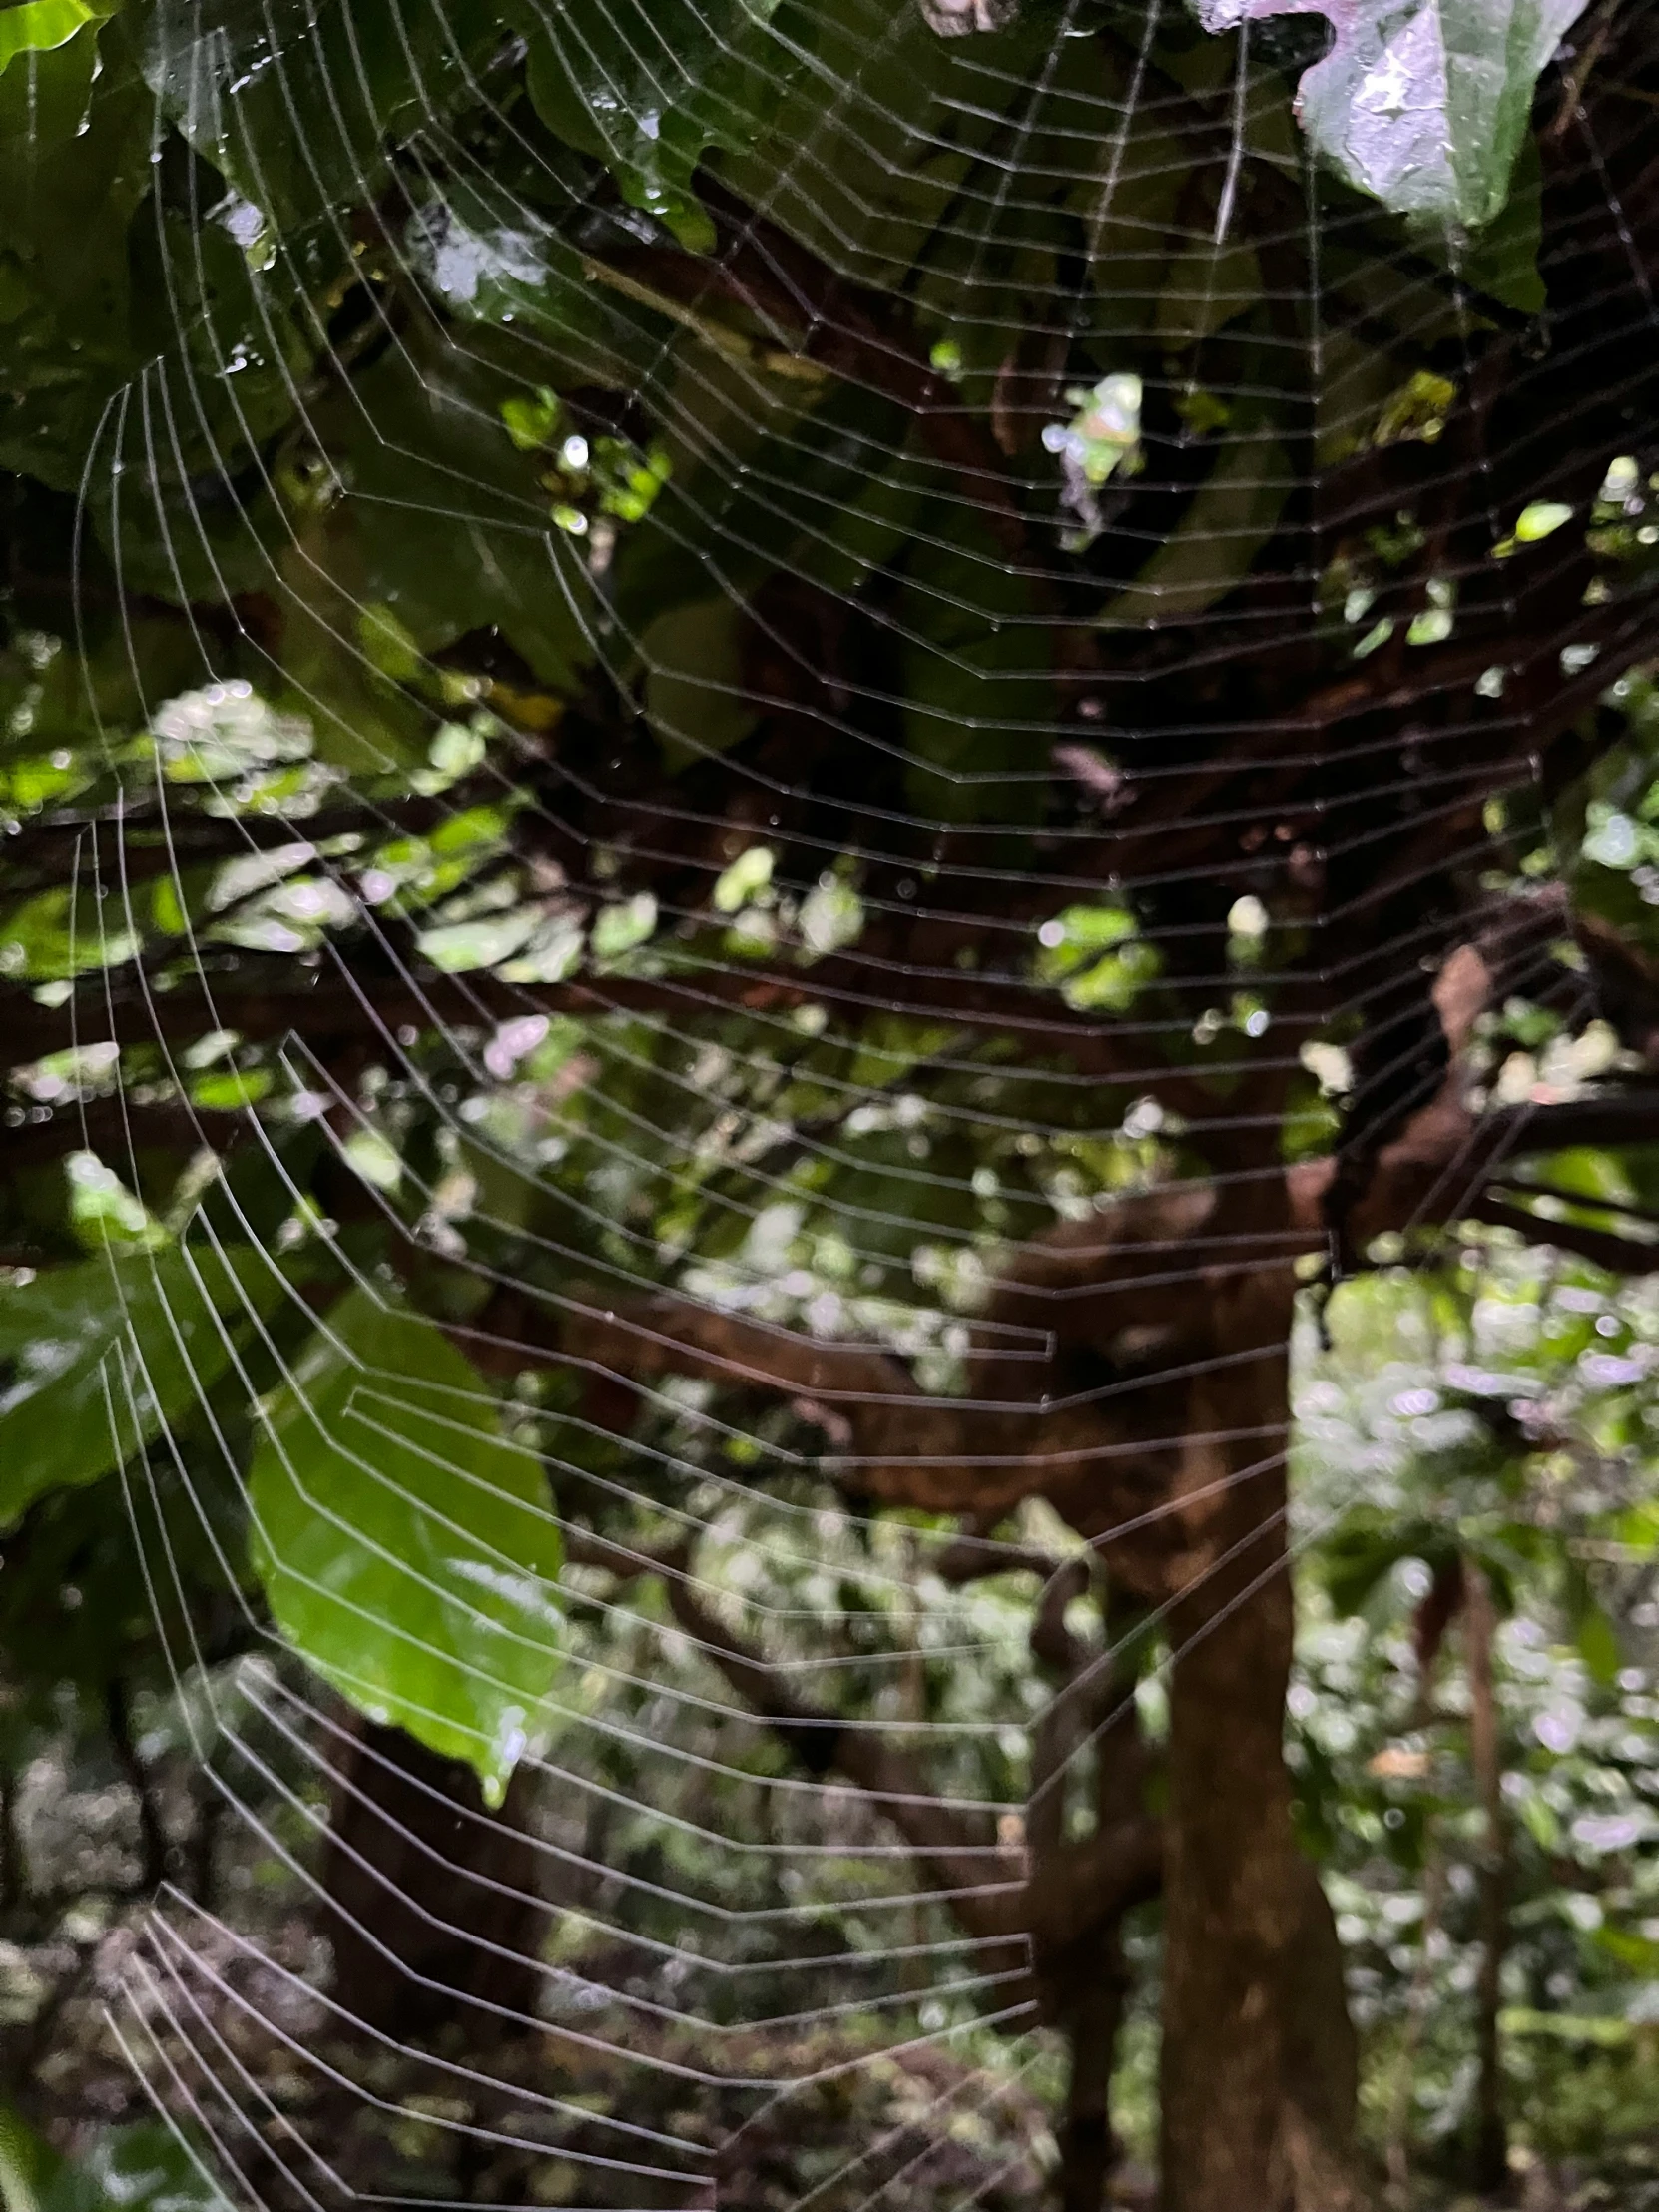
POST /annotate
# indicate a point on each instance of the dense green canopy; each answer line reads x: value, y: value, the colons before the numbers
x: 831, y: 986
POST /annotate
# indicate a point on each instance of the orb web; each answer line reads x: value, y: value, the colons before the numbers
x: 803, y: 673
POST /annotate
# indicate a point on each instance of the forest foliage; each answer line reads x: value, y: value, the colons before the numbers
x: 548, y: 773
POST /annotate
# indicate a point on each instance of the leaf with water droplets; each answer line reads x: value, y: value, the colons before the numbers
x: 1421, y: 103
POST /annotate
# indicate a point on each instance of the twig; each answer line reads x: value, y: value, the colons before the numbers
x: 1619, y: 1255
x: 152, y: 1833
x: 1572, y: 85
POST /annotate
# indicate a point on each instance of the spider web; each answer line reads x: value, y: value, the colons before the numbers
x: 729, y: 596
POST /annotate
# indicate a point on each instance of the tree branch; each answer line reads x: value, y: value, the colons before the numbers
x: 1619, y: 1255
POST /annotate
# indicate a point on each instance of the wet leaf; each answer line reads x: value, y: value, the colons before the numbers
x: 40, y: 26
x: 1421, y: 103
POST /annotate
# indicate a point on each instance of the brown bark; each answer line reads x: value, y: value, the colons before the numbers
x: 1088, y: 2148
x: 432, y: 1901
x: 1230, y: 1896
x: 1318, y: 2164
x: 1258, y: 2061
x: 1085, y: 1985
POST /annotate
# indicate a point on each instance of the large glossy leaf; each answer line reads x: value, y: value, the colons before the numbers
x: 1421, y: 103
x: 74, y: 165
x: 40, y: 26
x: 102, y: 1356
x: 299, y: 107
x: 647, y: 89
x: 446, y: 524
x: 405, y: 1545
x: 1232, y: 517
x: 694, y: 679
x: 977, y: 689
x: 853, y: 159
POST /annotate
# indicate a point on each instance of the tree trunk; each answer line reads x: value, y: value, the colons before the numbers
x: 1317, y: 2163
x: 1088, y: 2149
x: 432, y: 1905
x: 1258, y: 2063
x: 1082, y: 1983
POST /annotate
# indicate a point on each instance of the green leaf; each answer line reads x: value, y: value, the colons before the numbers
x: 531, y: 423
x: 978, y: 699
x: 1598, y: 1644
x: 749, y: 874
x: 1541, y: 520
x: 462, y: 945
x: 647, y: 89
x: 1501, y: 262
x: 695, y: 699
x: 1599, y: 1177
x: 405, y: 1548
x: 130, y: 1338
x: 1096, y: 956
x: 832, y: 917
x: 1421, y: 103
x: 371, y: 74
x: 620, y: 928
x: 889, y: 1046
x: 435, y: 533
x: 1591, y: 2029
x: 1367, y: 1547
x: 1312, y: 1125
x: 40, y: 26
x: 74, y: 165
x: 146, y: 2167
x: 1229, y: 519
